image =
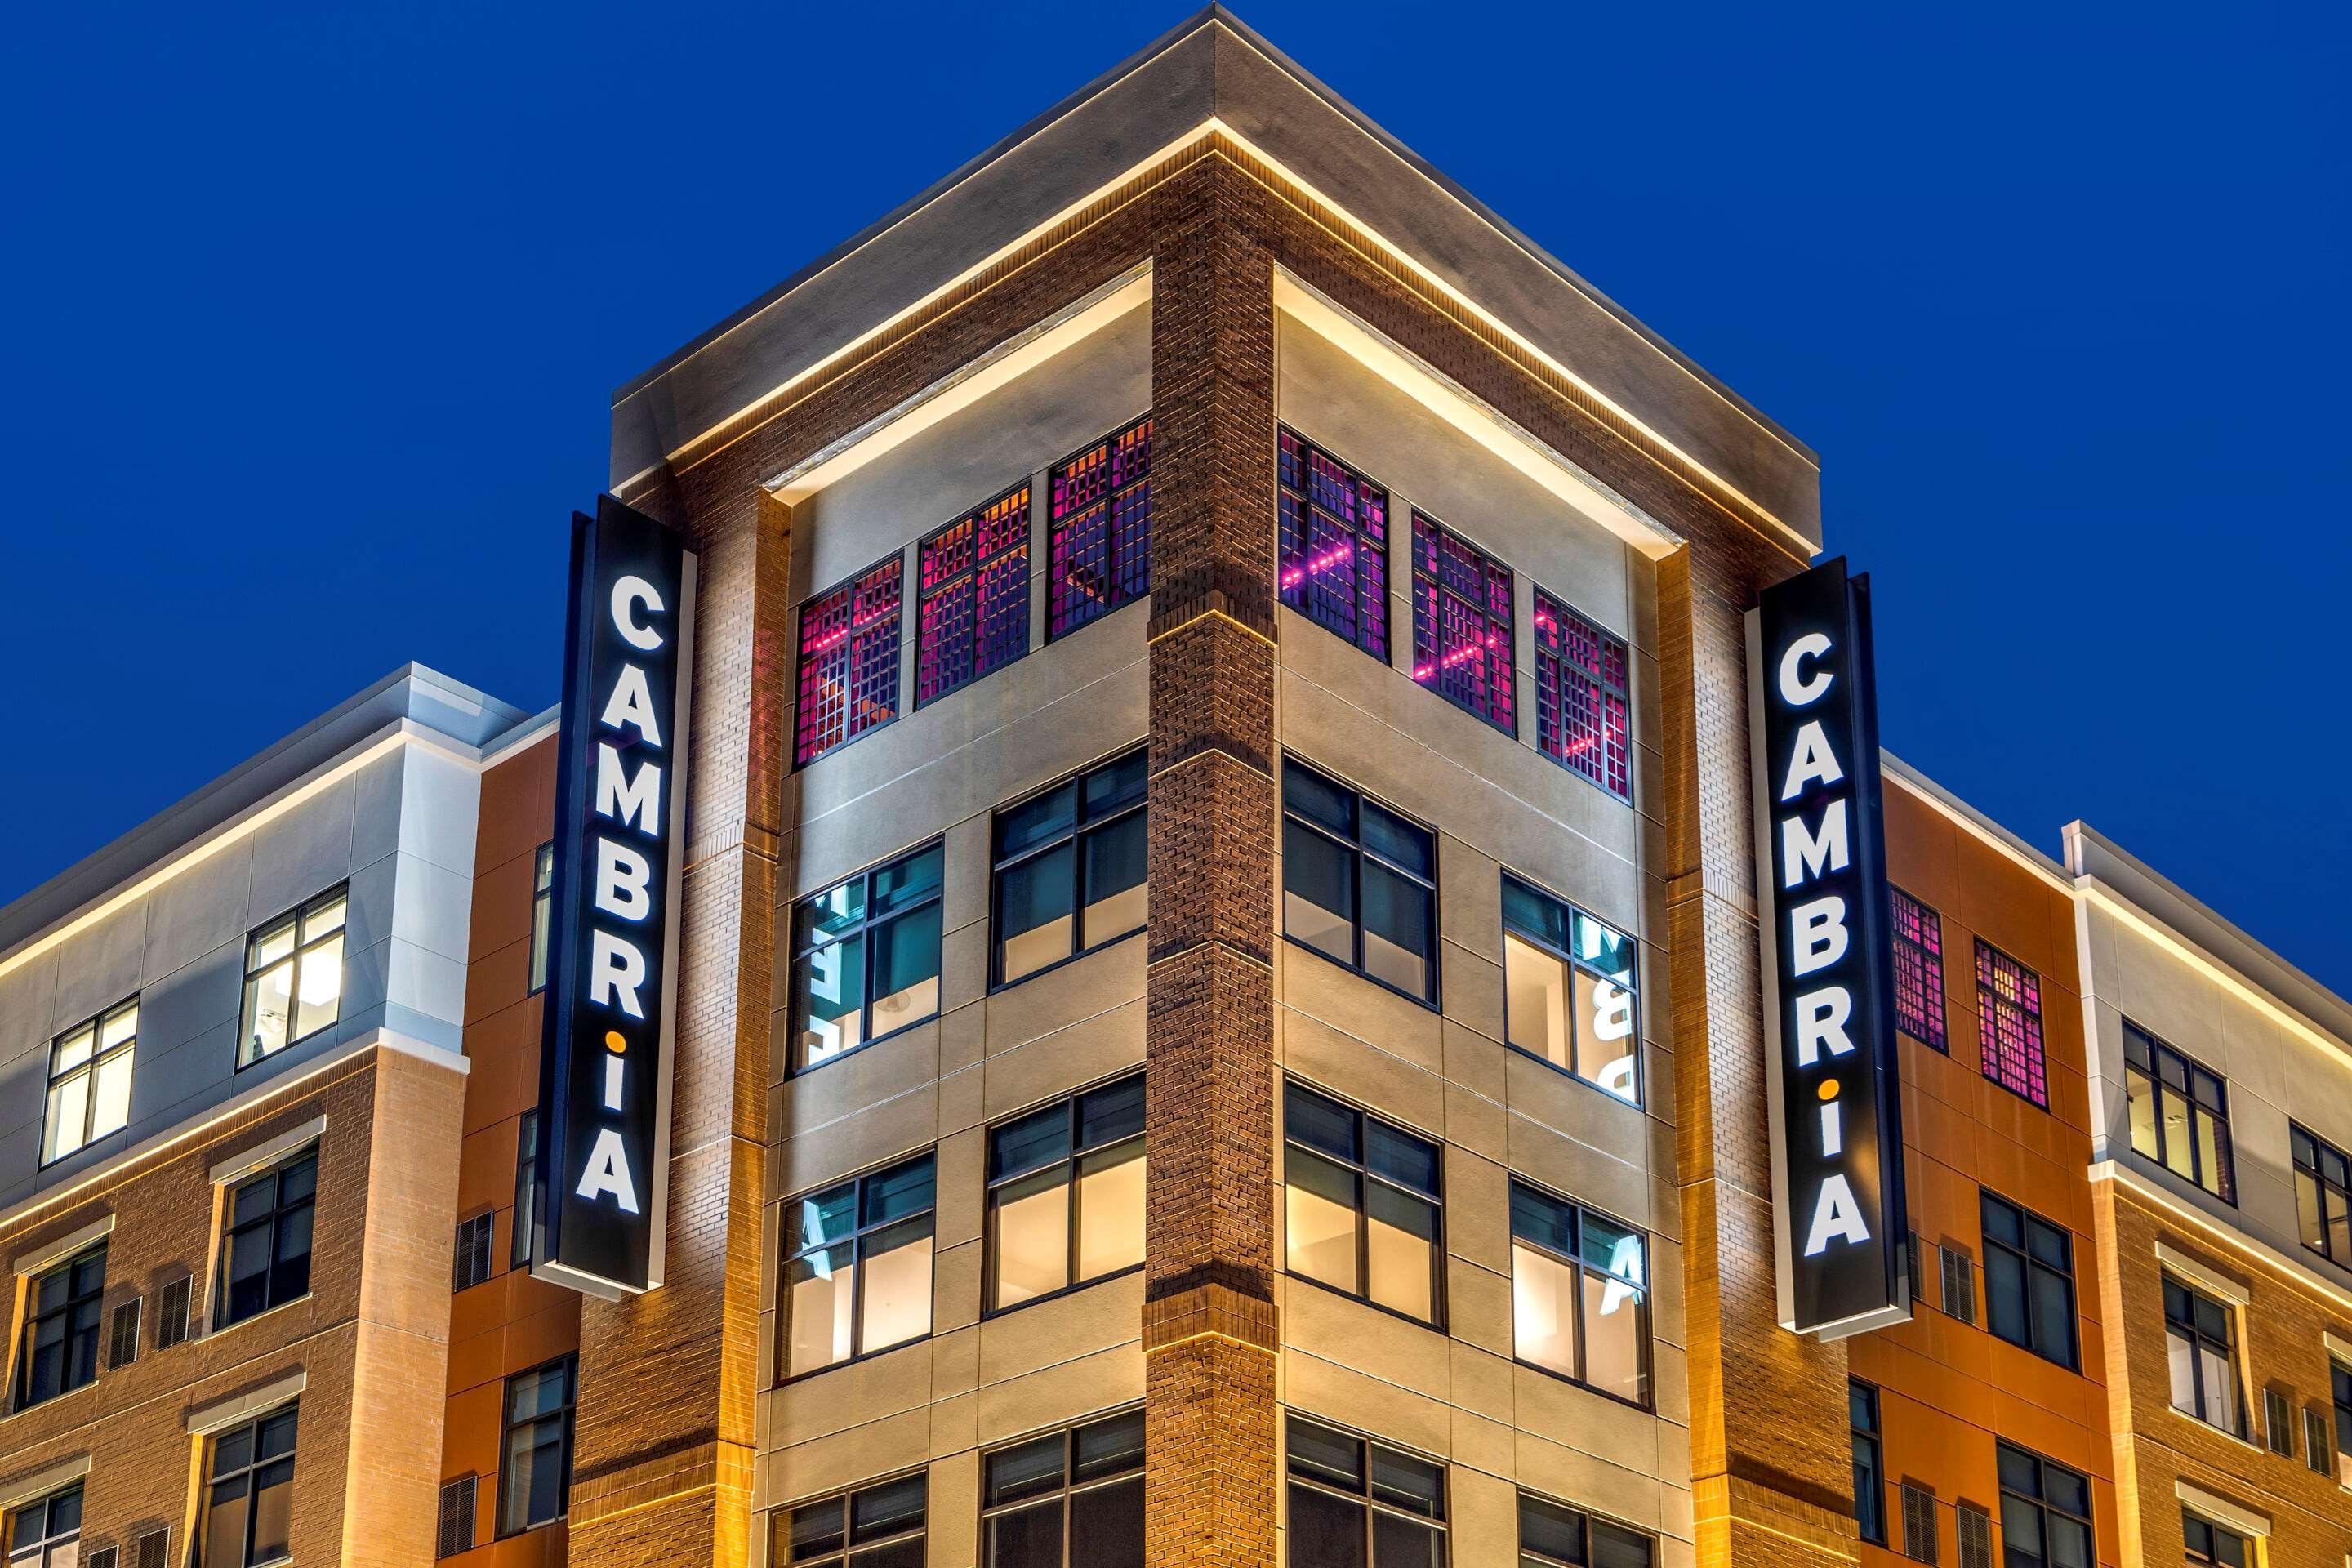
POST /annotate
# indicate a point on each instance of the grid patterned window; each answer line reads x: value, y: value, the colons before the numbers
x: 1869, y: 1468
x: 880, y: 1526
x: 2200, y: 1342
x: 866, y: 958
x: 2029, y: 1267
x: 1360, y: 1201
x: 122, y: 1333
x: 1334, y: 541
x: 849, y: 660
x: 1066, y: 1194
x: 474, y: 1236
x: 2214, y: 1544
x: 525, y: 1204
x: 1975, y: 1536
x: 2323, y: 1194
x: 456, y: 1531
x: 1582, y: 711
x: 1069, y: 1498
x: 90, y: 1081
x: 265, y: 1248
x: 857, y: 1267
x: 1918, y: 948
x: 47, y: 1533
x: 249, y: 1495
x: 1070, y: 868
x: 1462, y: 623
x: 293, y: 978
x: 1098, y: 546
x: 1551, y: 1536
x: 1959, y: 1281
x: 1922, y: 1541
x: 58, y: 1348
x: 1357, y: 1504
x: 2323, y: 1448
x: 2045, y: 1511
x: 152, y: 1548
x: 535, y: 1454
x: 2179, y: 1113
x: 543, y: 913
x: 171, y: 1312
x: 1579, y: 1295
x: 2278, y: 1423
x: 2009, y: 1017
x: 1358, y: 882
x: 973, y: 617
x: 1568, y: 990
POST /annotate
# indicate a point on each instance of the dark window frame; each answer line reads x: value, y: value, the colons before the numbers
x: 1365, y: 1495
x: 1298, y: 514
x: 894, y: 564
x: 2336, y: 1461
x: 973, y: 575
x: 305, y: 945
x: 1608, y: 693
x: 1361, y: 1169
x: 2023, y: 1015
x: 251, y: 1474
x: 565, y: 1414
x: 276, y: 1172
x: 2033, y: 1268
x: 476, y: 1246
x: 780, y: 1523
x: 1430, y: 662
x: 54, y: 1530
x: 102, y: 1056
x: 525, y: 1226
x: 1071, y: 1486
x: 2147, y: 1058
x: 1087, y: 823
x: 456, y: 1526
x: 1629, y: 981
x: 870, y: 923
x: 2201, y: 1344
x: 2311, y: 1158
x: 1076, y: 1155
x: 2212, y: 1553
x: 1358, y: 852
x: 542, y: 917
x: 1063, y: 516
x: 1863, y: 1422
x: 855, y: 1238
x: 80, y: 1314
x: 175, y: 1310
x: 1918, y: 964
x: 1583, y: 1269
x: 1586, y: 1523
x: 2041, y: 1500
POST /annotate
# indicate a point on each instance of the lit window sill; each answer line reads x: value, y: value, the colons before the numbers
x: 2221, y: 1432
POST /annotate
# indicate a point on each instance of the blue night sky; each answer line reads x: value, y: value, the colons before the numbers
x: 314, y: 313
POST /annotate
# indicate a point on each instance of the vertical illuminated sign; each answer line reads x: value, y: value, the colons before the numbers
x: 1839, y: 1226
x: 612, y: 992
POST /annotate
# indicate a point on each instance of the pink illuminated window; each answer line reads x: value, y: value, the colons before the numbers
x: 1918, y: 969
x: 2008, y: 1021
x: 1099, y: 547
x: 975, y: 613
x: 1581, y: 700
x: 1462, y: 623
x: 849, y: 660
x: 1334, y: 540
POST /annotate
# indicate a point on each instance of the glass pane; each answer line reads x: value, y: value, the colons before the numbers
x: 1310, y: 1118
x: 1115, y: 784
x: 1550, y: 1531
x: 1319, y: 1219
x: 533, y: 1481
x: 113, y: 1111
x: 886, y: 1509
x: 2221, y: 1390
x: 1318, y: 894
x: 823, y: 1216
x: 1318, y: 799
x: 1615, y: 1344
x: 322, y: 917
x: 1402, y: 1481
x: 1026, y: 1538
x: 1604, y: 948
x: 1535, y: 914
x: 1543, y: 1310
x: 1110, y: 1113
x: 1401, y: 1157
x: 225, y: 1530
x: 1394, y: 839
x: 1035, y: 822
x: 829, y: 1003
x: 898, y: 1287
x: 1110, y: 1210
x: 1397, y: 944
x: 1034, y: 908
x: 907, y: 969
x: 535, y: 1393
x: 320, y: 989
x: 1536, y: 1001
x: 1032, y: 1468
x: 68, y: 1117
x: 1038, y: 1139
x: 2139, y: 1092
x: 2053, y: 1317
x: 1108, y: 1520
x: 73, y: 1050
x: 900, y: 1190
x: 1406, y: 1543
x: 269, y: 1011
x: 1607, y: 1053
x: 1612, y: 1248
x: 1326, y: 1454
x: 1540, y: 1218
x: 271, y: 945
x: 1402, y: 1244
x: 2070, y: 1543
x: 1116, y: 891
x: 1033, y: 1237
x: 1617, y: 1548
x: 817, y: 1530
x: 2212, y: 1155
x: 830, y: 912
x: 2020, y: 1530
x: 907, y: 881
x: 2180, y: 1357
x: 820, y: 1291
x: 1109, y: 1447
x: 1325, y: 1531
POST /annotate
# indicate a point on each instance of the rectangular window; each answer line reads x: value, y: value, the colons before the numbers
x: 122, y: 1334
x: 2323, y: 1196
x: 1072, y: 1498
x: 1069, y: 868
x: 264, y: 1259
x: 249, y: 1493
x: 1959, y: 1284
x: 474, y: 1237
x: 153, y: 1548
x: 1975, y: 1536
x: 1358, y: 882
x: 1581, y: 707
x: 2009, y: 1020
x: 2326, y: 1450
x: 455, y: 1533
x: 973, y: 615
x: 1568, y: 990
x: 857, y: 1267
x: 535, y: 1455
x: 525, y: 1204
x: 1922, y: 1541
x: 543, y: 913
x: 2278, y: 1423
x: 2029, y: 1269
x: 1099, y: 544
x: 1361, y: 1205
x: 880, y: 1526
x: 849, y: 660
x: 1359, y: 1504
x: 1333, y: 532
x: 171, y: 1312
x: 90, y: 1081
x: 47, y: 1533
x: 1579, y: 1297
x: 57, y: 1352
x: 1918, y: 950
x: 1869, y: 1488
x: 2179, y: 1113
x: 293, y: 978
x: 2215, y: 1544
x: 1462, y: 646
x: 1066, y: 1194
x: 2201, y: 1347
x: 2045, y: 1511
x: 1551, y: 1536
x: 866, y: 958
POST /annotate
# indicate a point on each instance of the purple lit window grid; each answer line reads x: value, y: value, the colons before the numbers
x: 1100, y: 544
x: 2009, y: 1017
x: 975, y: 613
x: 849, y: 661
x: 1918, y: 969
x: 1462, y: 623
x: 1334, y: 540
x: 1581, y: 709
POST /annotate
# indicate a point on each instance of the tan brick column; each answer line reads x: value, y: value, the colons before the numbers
x: 1208, y: 1316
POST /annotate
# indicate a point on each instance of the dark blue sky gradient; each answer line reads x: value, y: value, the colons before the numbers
x: 313, y: 314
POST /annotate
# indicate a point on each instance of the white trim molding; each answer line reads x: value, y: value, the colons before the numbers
x: 2219, y: 1510
x: 22, y: 1490
x: 2202, y: 1275
x: 261, y: 1155
x: 39, y: 1258
x: 221, y: 1414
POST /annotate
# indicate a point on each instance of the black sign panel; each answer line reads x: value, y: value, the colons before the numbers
x: 620, y: 819
x: 1829, y: 998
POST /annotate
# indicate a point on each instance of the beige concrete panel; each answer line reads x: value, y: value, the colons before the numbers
x: 955, y: 1424
x: 1469, y: 899
x: 1477, y: 1124
x: 1474, y: 1062
x: 963, y: 892
x: 1542, y: 1094
x: 1053, y: 1065
x: 1405, y: 1092
x: 1492, y: 1447
x: 1581, y: 1172
x: 1061, y: 1393
x: 1481, y: 1382
x: 1477, y: 1209
x: 1376, y: 1343
x: 1579, y: 1478
x: 1344, y: 1000
x: 1081, y: 989
x: 958, y: 1286
x: 963, y: 966
x: 1658, y: 1081
x: 963, y: 1036
x: 1064, y: 1328
x: 857, y: 1394
x: 900, y: 1125
x: 1485, y: 1510
x: 808, y: 1470
x: 951, y: 1524
x: 963, y: 1182
x: 831, y: 1091
x: 1665, y: 1259
x: 1328, y: 664
x: 1677, y: 1517
x: 1673, y: 1455
x: 1326, y: 1389
x: 1582, y: 1419
x: 1642, y: 600
x: 1471, y: 989
x: 962, y: 1102
x: 1670, y: 1383
x: 955, y: 1362
x: 1478, y: 1306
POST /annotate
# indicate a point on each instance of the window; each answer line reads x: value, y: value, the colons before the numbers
x: 2179, y: 1113
x: 172, y: 1314
x: 2323, y: 1454
x: 525, y: 1204
x: 1334, y: 537
x: 1580, y: 1298
x: 1551, y: 1536
x: 2029, y: 1269
x: 47, y: 1533
x: 1358, y: 882
x: 1359, y: 1205
x: 1975, y: 1536
x: 1462, y: 623
x: 1066, y: 1194
x: 2201, y: 1344
x: 58, y: 1352
x: 857, y: 1267
x: 2278, y: 1423
x: 1918, y: 949
x: 1072, y: 1497
x: 1099, y: 545
x: 265, y: 1248
x: 1070, y: 868
x: 122, y: 1334
x: 2323, y: 1196
x: 866, y: 958
x: 2213, y: 1544
x: 293, y: 978
x: 849, y: 661
x: 973, y: 617
x: 90, y: 1081
x: 877, y: 1526
x: 535, y: 1457
x: 456, y: 1525
x: 1922, y: 1542
x: 249, y: 1497
x: 1959, y: 1281
x: 1568, y: 990
x: 543, y: 913
x: 1355, y: 1504
x: 1869, y: 1488
x: 1580, y: 698
x: 474, y: 1250
x: 2045, y: 1511
x: 2009, y: 1018
x: 153, y: 1548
